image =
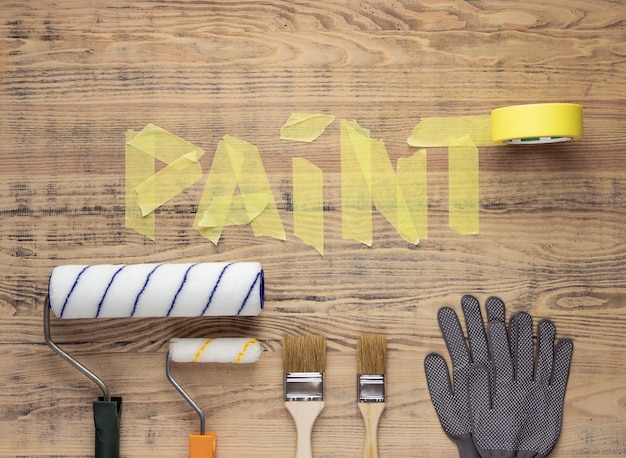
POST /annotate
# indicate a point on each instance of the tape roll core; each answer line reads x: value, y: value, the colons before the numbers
x: 537, y: 123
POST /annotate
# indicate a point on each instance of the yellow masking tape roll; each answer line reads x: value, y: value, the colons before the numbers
x: 537, y: 123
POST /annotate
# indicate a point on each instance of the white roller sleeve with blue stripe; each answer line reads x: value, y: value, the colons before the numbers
x: 156, y: 290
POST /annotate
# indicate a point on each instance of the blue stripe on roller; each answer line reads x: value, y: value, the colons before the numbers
x: 259, y: 275
x: 132, y: 313
x: 67, y: 298
x: 182, y: 284
x: 262, y: 290
x: 208, y: 304
x: 107, y: 290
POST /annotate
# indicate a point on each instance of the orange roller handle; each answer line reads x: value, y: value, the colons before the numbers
x: 202, y: 445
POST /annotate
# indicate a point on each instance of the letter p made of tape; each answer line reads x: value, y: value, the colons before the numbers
x: 146, y: 190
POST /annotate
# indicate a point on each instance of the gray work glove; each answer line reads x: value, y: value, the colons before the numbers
x: 452, y: 404
x: 519, y: 413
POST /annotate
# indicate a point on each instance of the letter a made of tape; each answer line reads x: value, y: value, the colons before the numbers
x: 237, y: 163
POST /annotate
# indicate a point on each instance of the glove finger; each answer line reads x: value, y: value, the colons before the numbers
x: 545, y: 353
x: 475, y: 330
x: 455, y: 340
x: 499, y: 348
x: 440, y: 390
x: 495, y: 309
x: 522, y: 338
x: 562, y: 363
x: 437, y: 377
x: 479, y: 392
x: 512, y: 331
x: 452, y: 409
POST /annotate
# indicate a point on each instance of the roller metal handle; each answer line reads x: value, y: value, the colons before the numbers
x: 106, y: 416
x: 80, y: 367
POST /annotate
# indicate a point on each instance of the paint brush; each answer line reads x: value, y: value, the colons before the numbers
x: 304, y: 361
x: 371, y: 366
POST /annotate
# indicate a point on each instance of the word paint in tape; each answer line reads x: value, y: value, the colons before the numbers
x: 367, y: 175
x: 368, y: 179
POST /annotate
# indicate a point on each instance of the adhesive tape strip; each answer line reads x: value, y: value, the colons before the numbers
x: 537, y: 123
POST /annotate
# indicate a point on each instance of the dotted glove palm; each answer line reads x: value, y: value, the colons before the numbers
x: 519, y: 413
x: 452, y: 405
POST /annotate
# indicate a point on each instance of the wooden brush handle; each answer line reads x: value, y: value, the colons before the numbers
x: 304, y: 414
x: 371, y: 412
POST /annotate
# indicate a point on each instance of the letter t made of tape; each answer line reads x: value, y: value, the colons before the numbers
x: 146, y: 190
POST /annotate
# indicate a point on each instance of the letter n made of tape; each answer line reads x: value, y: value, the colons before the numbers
x: 367, y: 177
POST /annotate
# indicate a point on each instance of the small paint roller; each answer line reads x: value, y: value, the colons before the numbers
x: 145, y: 290
x: 219, y: 350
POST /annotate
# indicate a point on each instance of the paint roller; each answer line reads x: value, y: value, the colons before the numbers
x: 145, y: 290
x: 202, y: 444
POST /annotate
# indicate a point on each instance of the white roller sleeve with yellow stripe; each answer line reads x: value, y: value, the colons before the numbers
x: 239, y: 350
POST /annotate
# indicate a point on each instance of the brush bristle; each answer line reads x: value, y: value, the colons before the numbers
x: 304, y: 354
x: 371, y: 354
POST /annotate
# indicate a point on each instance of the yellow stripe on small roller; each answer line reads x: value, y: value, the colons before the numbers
x: 201, y: 350
x: 243, y: 351
x: 537, y: 123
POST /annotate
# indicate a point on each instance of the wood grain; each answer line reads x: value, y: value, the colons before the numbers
x: 75, y: 75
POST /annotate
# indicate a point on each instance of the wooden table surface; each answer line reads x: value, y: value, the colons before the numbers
x: 76, y: 75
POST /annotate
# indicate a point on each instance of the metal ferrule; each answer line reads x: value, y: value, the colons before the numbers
x: 304, y: 386
x: 371, y: 388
